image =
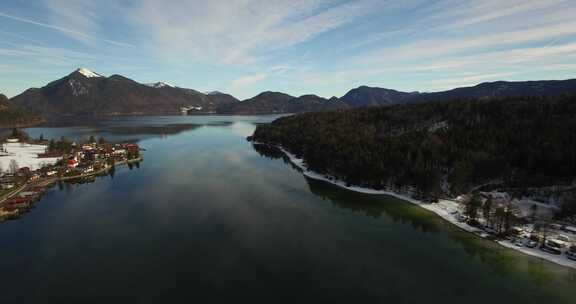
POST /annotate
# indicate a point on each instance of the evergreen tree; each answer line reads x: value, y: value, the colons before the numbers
x: 487, y: 211
x: 472, y: 208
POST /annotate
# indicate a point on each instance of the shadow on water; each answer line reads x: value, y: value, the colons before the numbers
x: 503, y: 261
x: 120, y: 133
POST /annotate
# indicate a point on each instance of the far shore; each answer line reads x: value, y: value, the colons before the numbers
x: 444, y: 208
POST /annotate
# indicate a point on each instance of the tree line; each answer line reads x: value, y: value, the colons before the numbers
x: 439, y: 148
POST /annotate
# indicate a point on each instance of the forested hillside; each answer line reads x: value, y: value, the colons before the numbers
x: 439, y: 147
x: 9, y: 116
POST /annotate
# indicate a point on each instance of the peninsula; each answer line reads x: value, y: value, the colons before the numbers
x: 28, y: 167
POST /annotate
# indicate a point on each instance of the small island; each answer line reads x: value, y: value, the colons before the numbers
x: 28, y: 167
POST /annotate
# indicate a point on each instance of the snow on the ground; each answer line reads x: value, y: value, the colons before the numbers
x: 26, y: 155
x: 536, y: 252
x: 88, y: 73
x: 159, y: 85
x: 543, y: 211
x: 446, y: 209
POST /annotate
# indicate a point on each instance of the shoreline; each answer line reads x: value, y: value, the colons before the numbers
x: 443, y: 209
x: 49, y: 182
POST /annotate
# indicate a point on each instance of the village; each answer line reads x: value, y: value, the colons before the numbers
x: 29, y: 167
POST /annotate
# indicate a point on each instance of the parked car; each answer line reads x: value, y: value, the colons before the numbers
x: 553, y: 246
x: 531, y: 244
x: 571, y: 253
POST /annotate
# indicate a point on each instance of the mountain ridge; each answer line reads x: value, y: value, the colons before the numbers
x: 87, y: 92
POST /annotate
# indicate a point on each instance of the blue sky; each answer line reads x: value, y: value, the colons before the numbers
x: 324, y: 47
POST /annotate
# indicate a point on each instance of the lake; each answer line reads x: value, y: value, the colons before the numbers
x: 207, y: 216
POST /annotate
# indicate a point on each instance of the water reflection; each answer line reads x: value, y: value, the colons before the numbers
x: 207, y: 218
x: 506, y: 263
x: 30, y: 197
x: 137, y: 129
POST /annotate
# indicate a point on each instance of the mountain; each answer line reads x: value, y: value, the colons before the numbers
x: 371, y: 96
x: 503, y: 89
x: 14, y: 117
x: 3, y: 102
x: 276, y: 102
x: 87, y: 92
x: 159, y: 85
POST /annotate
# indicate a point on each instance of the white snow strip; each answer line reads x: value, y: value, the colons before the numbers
x: 446, y: 209
x: 88, y: 73
x: 26, y: 155
x: 159, y: 85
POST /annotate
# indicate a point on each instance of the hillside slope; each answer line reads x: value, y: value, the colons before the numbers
x: 86, y: 92
x: 518, y: 142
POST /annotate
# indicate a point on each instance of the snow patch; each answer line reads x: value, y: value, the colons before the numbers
x: 159, y: 85
x: 26, y: 155
x: 87, y: 73
x: 77, y: 87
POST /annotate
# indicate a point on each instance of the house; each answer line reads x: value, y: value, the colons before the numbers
x: 23, y: 172
x: 27, y: 194
x: 131, y: 147
x: 6, y: 186
x: 72, y: 163
x: 87, y: 169
x: 119, y: 152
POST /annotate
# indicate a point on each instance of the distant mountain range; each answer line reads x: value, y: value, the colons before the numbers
x: 368, y: 96
x: 276, y: 102
x: 87, y: 92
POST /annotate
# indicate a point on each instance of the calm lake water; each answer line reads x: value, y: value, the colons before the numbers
x: 208, y: 217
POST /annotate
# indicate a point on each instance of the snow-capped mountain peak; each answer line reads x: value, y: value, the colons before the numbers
x: 87, y: 73
x: 159, y: 85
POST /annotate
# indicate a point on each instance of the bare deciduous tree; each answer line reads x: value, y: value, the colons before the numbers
x: 13, y: 166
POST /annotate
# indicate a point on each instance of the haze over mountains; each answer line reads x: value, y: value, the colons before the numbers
x: 87, y: 92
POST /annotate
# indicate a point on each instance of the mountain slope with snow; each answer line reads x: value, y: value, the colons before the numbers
x: 88, y: 73
x: 87, y: 92
x: 159, y: 85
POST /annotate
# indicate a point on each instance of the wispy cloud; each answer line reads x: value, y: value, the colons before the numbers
x: 67, y: 31
x: 239, y: 32
x: 248, y: 80
x: 304, y: 46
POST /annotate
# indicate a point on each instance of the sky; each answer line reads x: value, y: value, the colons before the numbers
x: 322, y: 47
